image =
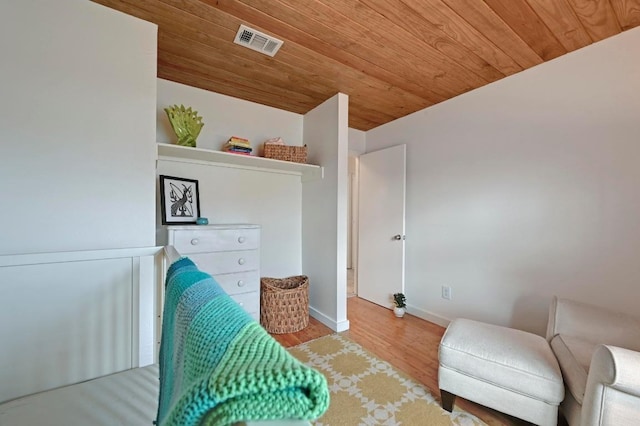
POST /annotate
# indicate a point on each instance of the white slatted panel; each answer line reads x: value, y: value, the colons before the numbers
x: 63, y: 323
x: 74, y: 316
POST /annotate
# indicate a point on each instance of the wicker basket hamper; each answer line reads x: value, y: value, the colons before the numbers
x: 297, y: 154
x: 284, y: 304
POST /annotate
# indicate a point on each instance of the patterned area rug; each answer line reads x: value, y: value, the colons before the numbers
x: 368, y: 391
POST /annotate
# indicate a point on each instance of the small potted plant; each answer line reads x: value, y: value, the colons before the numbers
x: 400, y: 304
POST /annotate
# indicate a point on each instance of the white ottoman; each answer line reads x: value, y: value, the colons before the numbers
x: 509, y: 370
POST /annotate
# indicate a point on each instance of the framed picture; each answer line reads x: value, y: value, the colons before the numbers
x: 179, y: 200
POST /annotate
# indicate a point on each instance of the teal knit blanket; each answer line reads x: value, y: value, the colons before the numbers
x: 218, y: 366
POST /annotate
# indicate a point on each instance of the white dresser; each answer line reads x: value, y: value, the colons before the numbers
x: 230, y: 253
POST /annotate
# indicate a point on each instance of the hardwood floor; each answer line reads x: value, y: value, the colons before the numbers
x: 410, y: 344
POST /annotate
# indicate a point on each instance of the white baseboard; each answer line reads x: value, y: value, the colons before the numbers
x: 329, y: 322
x: 429, y: 316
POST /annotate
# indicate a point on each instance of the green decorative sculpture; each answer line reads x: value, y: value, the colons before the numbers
x: 185, y: 123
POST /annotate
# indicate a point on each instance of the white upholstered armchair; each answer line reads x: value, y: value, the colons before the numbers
x: 598, y: 353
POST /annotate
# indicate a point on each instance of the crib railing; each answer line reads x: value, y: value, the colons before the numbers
x: 171, y: 254
x: 66, y: 317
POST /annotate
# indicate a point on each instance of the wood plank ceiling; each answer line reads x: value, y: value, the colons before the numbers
x: 392, y: 57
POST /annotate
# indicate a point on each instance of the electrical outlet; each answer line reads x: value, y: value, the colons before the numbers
x: 446, y: 292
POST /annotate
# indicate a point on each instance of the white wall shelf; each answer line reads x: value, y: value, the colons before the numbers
x: 307, y: 172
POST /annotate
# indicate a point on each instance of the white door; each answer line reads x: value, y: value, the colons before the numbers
x: 381, y: 224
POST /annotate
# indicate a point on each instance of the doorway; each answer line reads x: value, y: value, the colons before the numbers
x: 352, y: 228
x: 381, y: 222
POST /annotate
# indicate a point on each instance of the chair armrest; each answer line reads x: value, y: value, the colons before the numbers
x: 593, y: 324
x: 612, y: 394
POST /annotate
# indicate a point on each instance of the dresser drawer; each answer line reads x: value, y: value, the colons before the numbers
x: 241, y: 282
x: 212, y: 240
x: 250, y: 302
x: 227, y: 262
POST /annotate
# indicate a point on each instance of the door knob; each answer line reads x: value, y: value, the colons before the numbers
x: 398, y: 237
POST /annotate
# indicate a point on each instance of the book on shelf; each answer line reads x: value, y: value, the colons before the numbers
x: 236, y: 141
x: 228, y: 147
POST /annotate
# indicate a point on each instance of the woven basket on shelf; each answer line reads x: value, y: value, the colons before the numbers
x: 297, y: 154
x: 284, y: 304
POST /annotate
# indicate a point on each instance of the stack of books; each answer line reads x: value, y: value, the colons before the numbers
x: 236, y: 145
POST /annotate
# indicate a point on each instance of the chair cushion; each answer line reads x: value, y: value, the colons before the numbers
x: 574, y: 356
x: 515, y: 360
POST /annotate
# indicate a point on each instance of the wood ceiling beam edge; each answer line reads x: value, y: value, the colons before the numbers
x: 485, y: 20
x: 525, y: 22
x: 563, y: 22
x: 598, y: 18
x: 362, y: 109
x: 449, y: 22
x: 628, y: 13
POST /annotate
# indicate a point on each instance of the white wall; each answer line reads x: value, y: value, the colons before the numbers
x: 77, y: 126
x: 357, y: 142
x: 224, y: 116
x: 324, y: 212
x: 229, y: 195
x: 526, y: 188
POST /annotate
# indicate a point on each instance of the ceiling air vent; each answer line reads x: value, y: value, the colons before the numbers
x: 253, y: 39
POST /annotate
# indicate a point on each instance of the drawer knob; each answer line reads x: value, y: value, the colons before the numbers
x: 241, y: 239
x: 195, y: 242
x: 241, y: 261
x: 240, y: 283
